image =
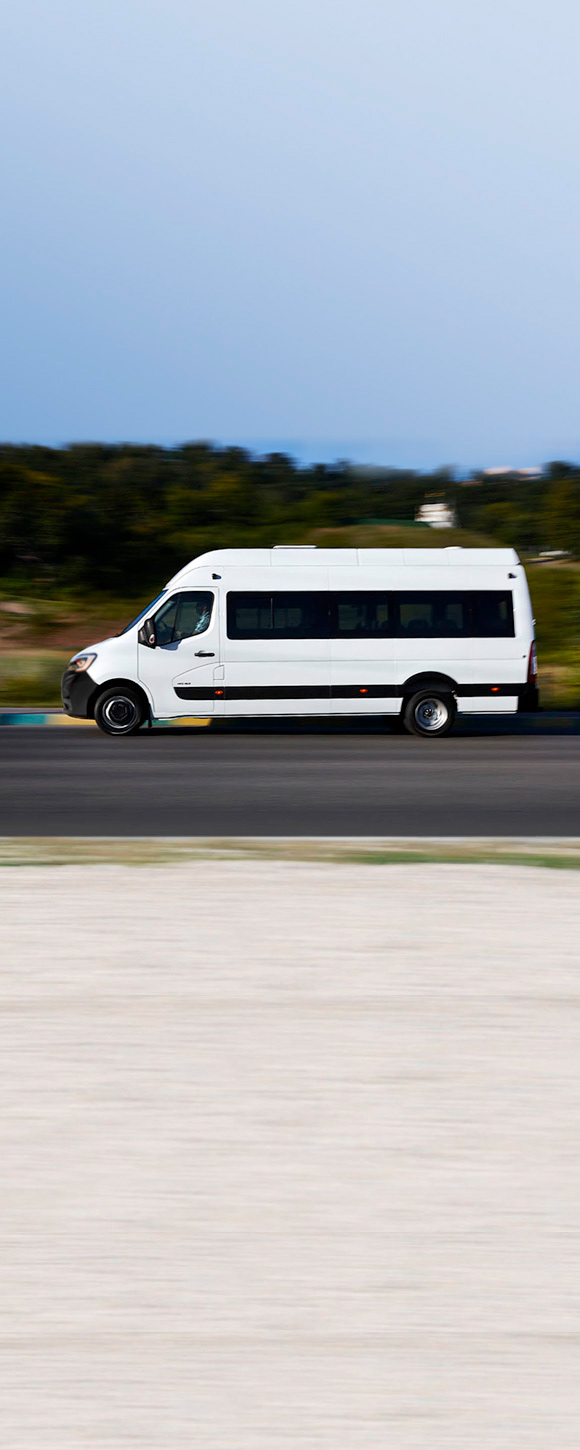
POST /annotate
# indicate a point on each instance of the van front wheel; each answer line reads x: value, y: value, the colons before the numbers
x: 429, y: 712
x: 119, y: 711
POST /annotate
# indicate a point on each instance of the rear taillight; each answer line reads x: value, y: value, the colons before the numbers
x: 533, y: 664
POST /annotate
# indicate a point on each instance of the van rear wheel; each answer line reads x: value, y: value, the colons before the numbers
x: 429, y: 713
x: 120, y: 711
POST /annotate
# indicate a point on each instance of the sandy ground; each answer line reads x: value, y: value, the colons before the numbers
x: 290, y: 1158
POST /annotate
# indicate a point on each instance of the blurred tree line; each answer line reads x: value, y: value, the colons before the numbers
x: 123, y: 518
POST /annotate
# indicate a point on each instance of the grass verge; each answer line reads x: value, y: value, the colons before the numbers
x: 85, y: 851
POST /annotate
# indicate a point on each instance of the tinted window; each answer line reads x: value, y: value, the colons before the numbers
x: 408, y: 614
x: 362, y: 616
x: 249, y: 616
x: 300, y: 616
x: 493, y: 614
x: 291, y: 615
x: 416, y: 615
x: 183, y: 616
x: 437, y: 615
x: 366, y: 614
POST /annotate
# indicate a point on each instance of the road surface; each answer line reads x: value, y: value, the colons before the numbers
x: 515, y: 779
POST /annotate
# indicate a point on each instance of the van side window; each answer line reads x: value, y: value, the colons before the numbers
x: 249, y: 616
x: 362, y: 616
x: 183, y: 616
x: 366, y: 614
x: 422, y: 614
x: 293, y: 614
x: 493, y: 614
x: 300, y: 615
x: 416, y: 616
x: 435, y: 615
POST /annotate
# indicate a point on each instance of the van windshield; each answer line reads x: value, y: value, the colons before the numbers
x: 143, y: 615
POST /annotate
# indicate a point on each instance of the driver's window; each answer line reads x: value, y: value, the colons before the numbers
x: 193, y: 615
x: 165, y: 622
x: 183, y: 616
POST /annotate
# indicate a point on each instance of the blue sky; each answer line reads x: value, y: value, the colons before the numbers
x: 343, y: 227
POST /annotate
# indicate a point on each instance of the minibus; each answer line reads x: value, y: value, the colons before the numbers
x: 419, y: 635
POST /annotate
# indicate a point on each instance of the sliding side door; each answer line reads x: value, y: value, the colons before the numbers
x: 276, y: 646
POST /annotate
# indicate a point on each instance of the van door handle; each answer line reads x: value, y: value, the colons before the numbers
x: 204, y: 654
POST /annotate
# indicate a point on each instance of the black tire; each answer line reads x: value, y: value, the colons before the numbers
x: 120, y: 710
x: 429, y: 713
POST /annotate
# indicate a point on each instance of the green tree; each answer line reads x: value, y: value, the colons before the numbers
x: 561, y: 514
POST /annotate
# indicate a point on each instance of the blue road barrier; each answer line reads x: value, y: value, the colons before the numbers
x: 58, y: 717
x: 27, y: 717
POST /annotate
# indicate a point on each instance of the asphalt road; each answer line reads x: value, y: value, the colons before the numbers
x: 518, y: 778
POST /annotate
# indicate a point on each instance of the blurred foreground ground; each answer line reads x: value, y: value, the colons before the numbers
x: 290, y: 1157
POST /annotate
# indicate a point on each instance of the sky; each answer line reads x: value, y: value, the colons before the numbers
x: 344, y: 228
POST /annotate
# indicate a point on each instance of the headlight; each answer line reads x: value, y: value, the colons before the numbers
x: 80, y: 662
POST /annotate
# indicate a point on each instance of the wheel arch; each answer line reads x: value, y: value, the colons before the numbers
x: 427, y: 680
x: 123, y: 683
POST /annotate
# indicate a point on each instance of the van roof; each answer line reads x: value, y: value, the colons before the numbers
x: 309, y: 556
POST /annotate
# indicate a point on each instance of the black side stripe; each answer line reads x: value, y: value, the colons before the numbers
x: 325, y: 692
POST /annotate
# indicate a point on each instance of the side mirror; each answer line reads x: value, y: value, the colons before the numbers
x: 147, y: 635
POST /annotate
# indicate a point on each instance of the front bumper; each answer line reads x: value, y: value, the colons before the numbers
x: 78, y: 691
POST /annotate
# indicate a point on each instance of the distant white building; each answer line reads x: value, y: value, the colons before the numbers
x: 507, y: 472
x: 438, y: 515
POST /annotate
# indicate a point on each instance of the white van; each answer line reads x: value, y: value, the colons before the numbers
x: 418, y: 633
